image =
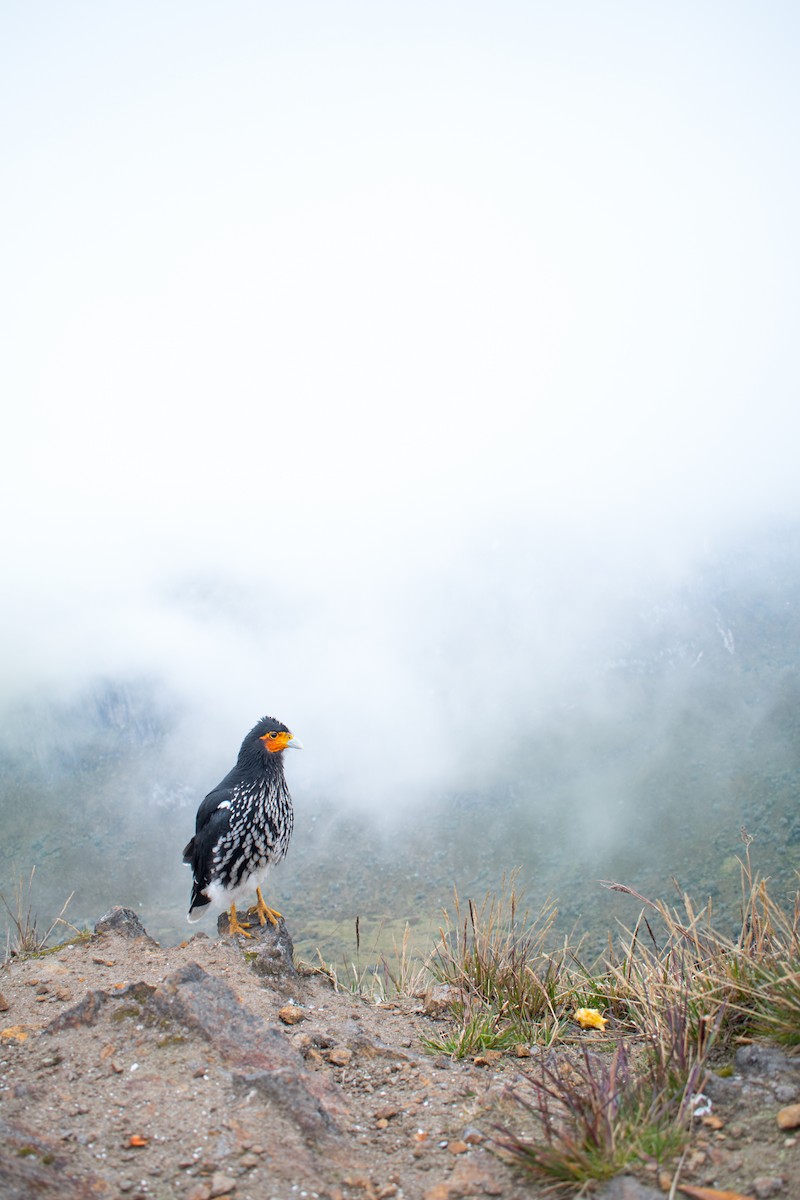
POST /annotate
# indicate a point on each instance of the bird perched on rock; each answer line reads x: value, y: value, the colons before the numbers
x: 243, y: 826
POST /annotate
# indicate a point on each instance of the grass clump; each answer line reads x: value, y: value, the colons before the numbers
x: 472, y: 1033
x: 25, y: 939
x: 509, y: 988
x: 596, y: 1115
x: 746, y: 982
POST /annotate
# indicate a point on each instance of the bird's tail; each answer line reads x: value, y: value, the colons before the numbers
x: 199, y: 901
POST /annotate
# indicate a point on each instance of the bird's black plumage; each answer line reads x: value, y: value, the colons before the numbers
x: 243, y: 825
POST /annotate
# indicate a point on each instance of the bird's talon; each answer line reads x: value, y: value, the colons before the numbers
x: 265, y: 913
x: 235, y: 926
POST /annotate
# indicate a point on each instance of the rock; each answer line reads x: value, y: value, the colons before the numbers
x: 766, y: 1186
x: 339, y: 1056
x: 789, y: 1117
x: 32, y: 1168
x: 386, y: 1112
x: 439, y: 1000
x: 85, y: 1012
x: 221, y: 1185
x: 764, y: 1060
x: 269, y: 950
x: 123, y: 921
x: 4, y: 1005
x: 489, y: 1058
x: 719, y: 1087
x: 88, y: 1010
x: 372, y: 1047
x: 266, y: 1060
x: 200, y: 1191
x: 473, y: 1175
x: 291, y: 1014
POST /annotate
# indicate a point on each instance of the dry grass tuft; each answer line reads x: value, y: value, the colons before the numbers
x: 382, y: 977
x: 24, y: 938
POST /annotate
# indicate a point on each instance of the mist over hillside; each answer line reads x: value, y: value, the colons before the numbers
x: 670, y: 720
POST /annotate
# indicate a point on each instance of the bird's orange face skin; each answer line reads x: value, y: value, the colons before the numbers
x: 275, y: 741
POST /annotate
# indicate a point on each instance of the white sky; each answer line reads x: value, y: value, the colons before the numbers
x: 315, y: 294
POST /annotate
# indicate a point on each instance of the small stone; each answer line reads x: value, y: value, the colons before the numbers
x: 439, y: 1000
x: 440, y: 1191
x: 457, y: 1147
x: 789, y: 1117
x: 381, y: 1123
x: 766, y: 1186
x: 339, y: 1056
x: 472, y: 1136
x: 488, y: 1058
x: 522, y: 1051
x: 4, y: 1005
x: 200, y: 1191
x: 221, y: 1185
x: 249, y: 1160
x: 386, y: 1112
x: 291, y: 1014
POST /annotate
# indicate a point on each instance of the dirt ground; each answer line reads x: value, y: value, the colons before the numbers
x: 208, y: 1070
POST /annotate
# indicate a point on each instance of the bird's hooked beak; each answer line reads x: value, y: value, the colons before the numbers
x: 294, y: 743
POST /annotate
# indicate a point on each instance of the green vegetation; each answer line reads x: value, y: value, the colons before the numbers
x: 669, y: 998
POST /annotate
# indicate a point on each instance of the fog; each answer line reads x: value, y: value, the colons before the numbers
x: 413, y: 374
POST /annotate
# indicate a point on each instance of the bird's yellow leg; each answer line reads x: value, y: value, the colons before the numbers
x: 234, y: 925
x: 265, y: 913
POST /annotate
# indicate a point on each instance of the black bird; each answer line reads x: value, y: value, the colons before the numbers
x: 243, y: 826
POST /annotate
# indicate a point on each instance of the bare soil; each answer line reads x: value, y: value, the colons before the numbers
x: 214, y: 1069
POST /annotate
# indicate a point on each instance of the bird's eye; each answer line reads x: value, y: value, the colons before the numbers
x: 274, y: 734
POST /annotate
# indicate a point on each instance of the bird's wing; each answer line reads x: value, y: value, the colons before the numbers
x: 220, y: 798
x: 200, y: 851
x: 212, y: 820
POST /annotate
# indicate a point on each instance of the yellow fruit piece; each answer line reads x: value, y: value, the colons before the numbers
x: 590, y: 1018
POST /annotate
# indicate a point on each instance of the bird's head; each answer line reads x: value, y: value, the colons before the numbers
x: 272, y: 736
